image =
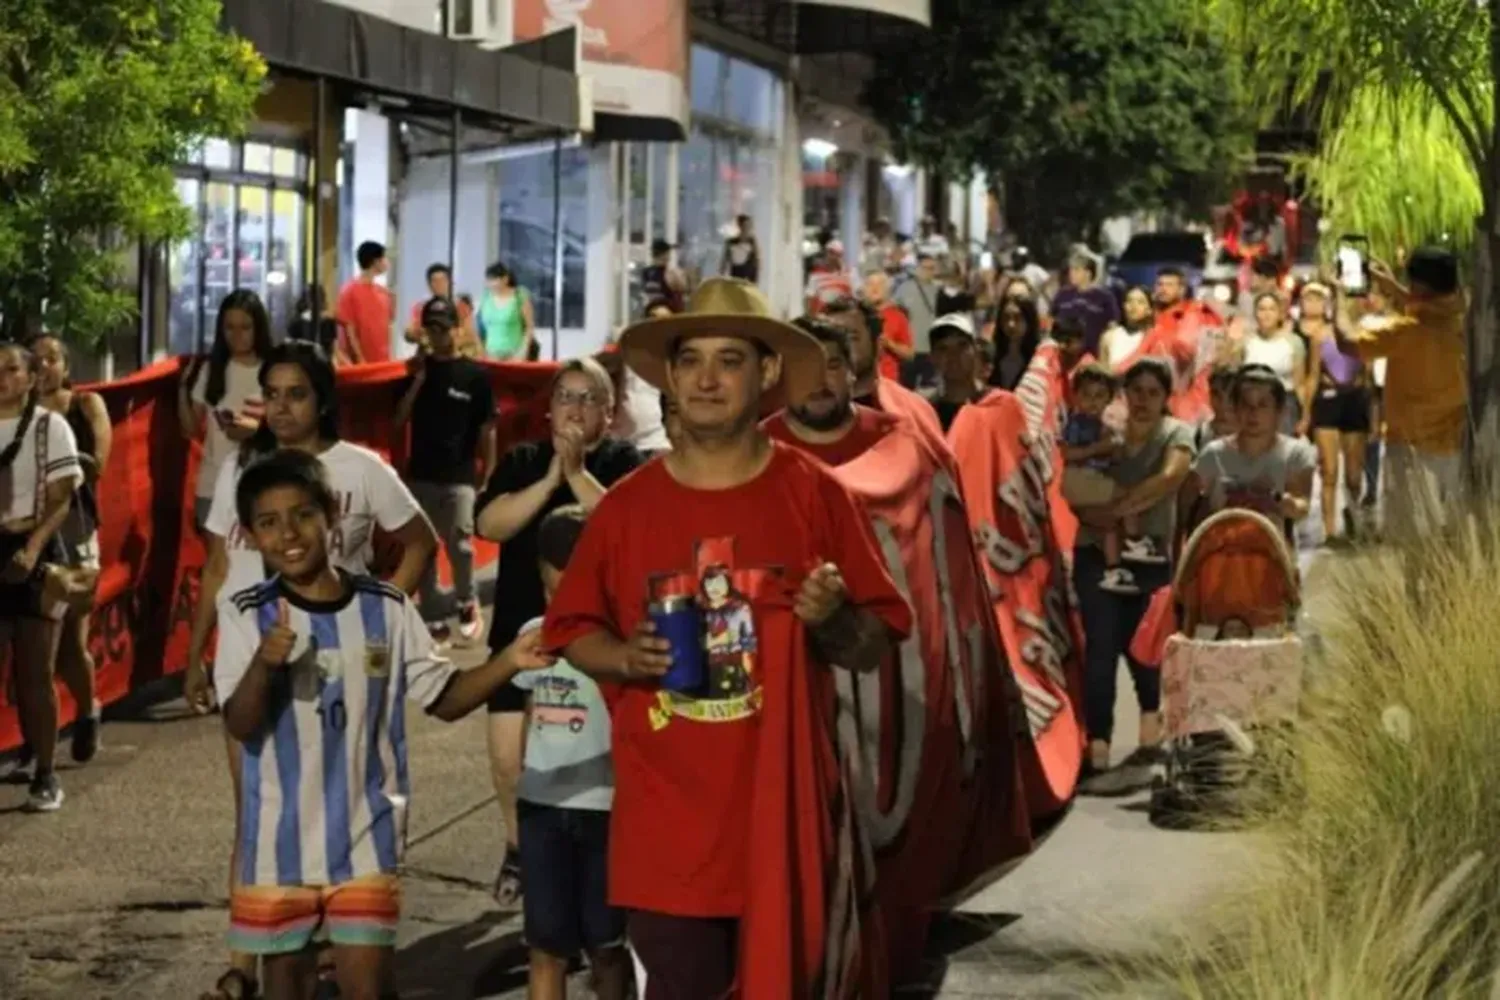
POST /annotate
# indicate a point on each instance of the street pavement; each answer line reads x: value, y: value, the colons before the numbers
x: 122, y: 893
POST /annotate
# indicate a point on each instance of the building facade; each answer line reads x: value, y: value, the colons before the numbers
x: 556, y: 136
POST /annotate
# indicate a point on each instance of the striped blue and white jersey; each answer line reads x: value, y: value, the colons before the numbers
x: 324, y: 784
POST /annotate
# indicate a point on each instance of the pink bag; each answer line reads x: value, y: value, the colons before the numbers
x: 1149, y: 645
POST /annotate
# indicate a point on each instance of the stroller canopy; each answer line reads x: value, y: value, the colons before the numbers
x: 1237, y: 567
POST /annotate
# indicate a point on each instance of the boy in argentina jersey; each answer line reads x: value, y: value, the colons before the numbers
x: 314, y: 667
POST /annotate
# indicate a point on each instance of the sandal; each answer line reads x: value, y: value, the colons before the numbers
x: 508, y: 882
x: 234, y: 985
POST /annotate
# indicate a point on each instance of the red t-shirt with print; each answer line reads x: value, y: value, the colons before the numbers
x: 869, y: 427
x: 684, y: 766
x: 895, y: 328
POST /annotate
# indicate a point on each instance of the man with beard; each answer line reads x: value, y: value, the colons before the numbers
x: 872, y: 389
x: 828, y: 423
x: 780, y: 566
x: 1190, y: 334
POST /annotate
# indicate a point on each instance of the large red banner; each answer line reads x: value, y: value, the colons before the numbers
x: 151, y: 554
x: 1011, y: 463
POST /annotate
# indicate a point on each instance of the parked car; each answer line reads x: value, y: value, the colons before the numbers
x: 1147, y: 253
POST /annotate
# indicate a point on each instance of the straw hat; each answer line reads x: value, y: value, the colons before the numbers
x: 728, y: 307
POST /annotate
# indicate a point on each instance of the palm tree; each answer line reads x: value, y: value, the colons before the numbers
x: 1404, y: 92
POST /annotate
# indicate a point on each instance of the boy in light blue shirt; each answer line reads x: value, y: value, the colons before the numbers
x: 567, y: 788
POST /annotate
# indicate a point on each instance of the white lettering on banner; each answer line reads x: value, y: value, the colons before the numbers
x: 967, y: 670
x: 1046, y: 633
x: 860, y: 702
x: 861, y: 696
x: 1042, y: 648
x: 564, y: 14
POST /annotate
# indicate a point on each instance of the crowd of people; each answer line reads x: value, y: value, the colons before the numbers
x: 682, y: 461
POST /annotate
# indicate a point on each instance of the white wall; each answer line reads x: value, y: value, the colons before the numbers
x: 852, y: 209
x: 370, y: 134
x: 785, y: 245
x: 424, y: 233
x: 601, y: 301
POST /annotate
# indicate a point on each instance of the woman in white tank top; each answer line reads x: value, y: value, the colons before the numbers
x: 1276, y: 346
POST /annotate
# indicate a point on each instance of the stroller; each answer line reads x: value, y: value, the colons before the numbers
x: 1233, y: 667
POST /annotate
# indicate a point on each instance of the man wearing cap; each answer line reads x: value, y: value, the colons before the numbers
x: 829, y: 424
x: 663, y: 280
x: 953, y: 347
x: 450, y: 406
x: 784, y: 577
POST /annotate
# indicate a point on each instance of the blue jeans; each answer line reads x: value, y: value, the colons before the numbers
x: 564, y: 866
x: 1109, y: 623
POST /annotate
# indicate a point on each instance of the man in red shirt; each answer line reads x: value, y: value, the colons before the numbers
x: 871, y: 388
x: 366, y: 310
x: 784, y: 576
x: 895, y: 328
x: 1191, y: 335
x: 828, y: 424
x: 829, y: 279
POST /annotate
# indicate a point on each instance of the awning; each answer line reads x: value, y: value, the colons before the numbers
x: 529, y: 84
x: 820, y: 26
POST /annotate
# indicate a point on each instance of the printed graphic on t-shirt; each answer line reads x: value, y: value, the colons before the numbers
x: 556, y: 705
x: 1260, y: 496
x: 725, y: 593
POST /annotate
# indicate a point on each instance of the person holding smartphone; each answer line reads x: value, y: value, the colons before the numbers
x: 1426, y: 389
x: 218, y: 399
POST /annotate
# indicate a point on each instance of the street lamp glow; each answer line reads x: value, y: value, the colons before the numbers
x: 820, y: 149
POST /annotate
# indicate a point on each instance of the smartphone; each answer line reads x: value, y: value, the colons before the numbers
x: 1354, y: 265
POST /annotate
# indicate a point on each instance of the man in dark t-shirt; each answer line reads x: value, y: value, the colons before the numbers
x: 955, y: 347
x: 451, y: 408
x: 576, y: 465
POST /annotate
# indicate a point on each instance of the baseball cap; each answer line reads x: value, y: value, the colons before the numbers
x: 953, y: 324
x: 439, y: 311
x: 661, y: 246
x: 836, y: 246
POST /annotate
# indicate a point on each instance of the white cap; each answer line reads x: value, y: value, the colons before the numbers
x: 836, y: 246
x: 962, y: 322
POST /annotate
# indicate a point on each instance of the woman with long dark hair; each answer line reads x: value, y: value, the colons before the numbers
x: 1018, y: 331
x: 1155, y: 460
x: 301, y: 413
x: 218, y: 398
x: 93, y: 433
x: 506, y: 320
x: 39, y: 471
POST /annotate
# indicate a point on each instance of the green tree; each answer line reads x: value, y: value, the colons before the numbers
x: 1085, y: 109
x: 1384, y: 77
x: 98, y: 98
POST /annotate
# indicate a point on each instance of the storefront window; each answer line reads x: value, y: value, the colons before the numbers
x: 250, y: 203
x: 729, y: 165
x: 527, y: 243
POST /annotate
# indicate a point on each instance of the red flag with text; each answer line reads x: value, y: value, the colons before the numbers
x: 151, y: 555
x: 1010, y: 461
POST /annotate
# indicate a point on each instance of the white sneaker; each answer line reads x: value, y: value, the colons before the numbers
x: 1142, y: 551
x: 46, y: 795
x: 470, y: 621
x: 1118, y: 580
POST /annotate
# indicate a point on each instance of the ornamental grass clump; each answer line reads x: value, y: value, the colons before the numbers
x: 1380, y: 872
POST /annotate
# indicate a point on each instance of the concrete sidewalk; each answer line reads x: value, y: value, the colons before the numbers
x: 122, y: 893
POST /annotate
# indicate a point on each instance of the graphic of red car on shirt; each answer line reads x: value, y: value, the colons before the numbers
x: 574, y: 717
